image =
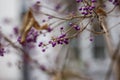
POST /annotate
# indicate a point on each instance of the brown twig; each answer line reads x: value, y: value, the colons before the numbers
x: 114, y: 58
x: 106, y: 35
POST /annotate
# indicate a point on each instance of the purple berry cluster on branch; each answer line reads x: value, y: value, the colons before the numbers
x: 31, y: 37
x: 115, y: 2
x: 88, y: 9
x: 2, y: 51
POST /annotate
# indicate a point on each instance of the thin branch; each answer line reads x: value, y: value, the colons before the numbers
x: 106, y: 35
x: 111, y: 10
x: 69, y: 18
x: 114, y: 58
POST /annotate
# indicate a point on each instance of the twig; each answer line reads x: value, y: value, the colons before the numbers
x: 106, y: 35
x: 114, y: 58
x: 111, y: 10
x: 69, y: 18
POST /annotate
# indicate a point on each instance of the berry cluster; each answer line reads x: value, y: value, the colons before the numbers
x: 16, y: 30
x: 31, y: 37
x: 87, y: 8
x: 75, y: 26
x: 115, y: 2
x: 2, y: 51
x: 61, y: 40
x: 78, y: 1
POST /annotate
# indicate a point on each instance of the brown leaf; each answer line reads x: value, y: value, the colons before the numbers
x: 73, y: 74
x: 36, y: 25
x: 44, y: 26
x: 40, y: 27
x: 57, y: 76
x: 28, y: 23
x: 26, y: 20
x: 26, y: 30
x: 100, y: 11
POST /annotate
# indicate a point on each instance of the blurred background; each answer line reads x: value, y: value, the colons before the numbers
x: 85, y: 57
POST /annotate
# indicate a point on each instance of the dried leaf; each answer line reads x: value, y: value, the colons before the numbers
x: 28, y: 23
x: 44, y: 26
x: 36, y: 25
x: 26, y: 20
x: 70, y: 74
x: 58, y: 76
x: 26, y: 30
x: 100, y: 11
